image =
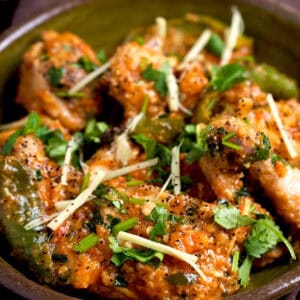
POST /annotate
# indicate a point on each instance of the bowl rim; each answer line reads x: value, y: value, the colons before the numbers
x: 18, y: 283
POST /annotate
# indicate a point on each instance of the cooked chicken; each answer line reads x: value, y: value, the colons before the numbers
x: 49, y: 69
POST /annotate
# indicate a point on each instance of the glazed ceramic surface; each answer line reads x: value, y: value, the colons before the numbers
x: 104, y: 24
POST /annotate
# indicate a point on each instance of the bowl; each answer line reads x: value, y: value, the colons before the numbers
x: 104, y: 24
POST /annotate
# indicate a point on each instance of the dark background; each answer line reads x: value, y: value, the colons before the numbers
x: 14, y: 12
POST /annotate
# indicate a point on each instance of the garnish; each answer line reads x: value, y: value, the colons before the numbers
x: 229, y: 217
x: 197, y: 47
x: 159, y: 215
x: 225, y: 142
x: 262, y: 151
x: 55, y: 75
x: 140, y: 40
x: 215, y: 44
x: 225, y: 77
x: 159, y: 79
x: 101, y: 55
x: 72, y: 146
x: 235, y: 261
x: 86, y: 243
x: 188, y: 258
x: 242, y: 192
x: 125, y: 225
x: 94, y: 130
x: 121, y: 254
x: 244, y: 271
x: 194, y: 142
x: 265, y: 234
x: 287, y: 141
x: 275, y: 157
x: 236, y: 28
x: 88, y: 78
x: 175, y: 169
x: 161, y: 27
x: 86, y: 64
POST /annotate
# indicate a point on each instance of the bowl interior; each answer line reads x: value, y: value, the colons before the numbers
x: 105, y: 23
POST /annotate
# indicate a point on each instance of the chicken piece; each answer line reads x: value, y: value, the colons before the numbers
x: 192, y: 83
x: 126, y: 83
x: 49, y: 69
x: 289, y: 111
x: 282, y: 184
x: 29, y: 151
x: 223, y: 166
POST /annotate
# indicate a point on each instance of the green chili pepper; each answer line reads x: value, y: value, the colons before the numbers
x: 274, y: 82
x: 164, y: 130
x: 20, y: 204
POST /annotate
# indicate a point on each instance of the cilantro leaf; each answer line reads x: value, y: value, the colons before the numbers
x: 121, y: 254
x: 86, y: 64
x: 215, y: 44
x: 55, y: 75
x: 159, y: 215
x: 262, y: 151
x: 102, y: 56
x: 10, y: 142
x: 158, y: 77
x: 225, y: 77
x: 242, y: 192
x: 229, y: 217
x: 276, y: 157
x: 94, y: 130
x: 244, y: 271
x: 194, y: 142
x: 265, y: 234
x: 148, y: 144
x: 32, y: 125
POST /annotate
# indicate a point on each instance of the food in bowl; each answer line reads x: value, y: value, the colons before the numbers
x: 160, y: 173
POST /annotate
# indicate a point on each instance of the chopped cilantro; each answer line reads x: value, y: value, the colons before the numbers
x: 86, y: 181
x: 262, y: 151
x: 140, y: 40
x: 10, y: 142
x: 94, y: 130
x: 55, y: 75
x: 195, y: 150
x: 235, y: 261
x: 229, y: 144
x: 154, y: 149
x: 102, y: 56
x: 229, y: 217
x: 276, y: 157
x: 121, y: 254
x: 32, y: 125
x: 215, y: 44
x: 244, y: 271
x: 225, y: 77
x: 158, y: 77
x: 242, y: 192
x: 125, y: 225
x: 159, y: 215
x: 86, y: 243
x: 86, y: 64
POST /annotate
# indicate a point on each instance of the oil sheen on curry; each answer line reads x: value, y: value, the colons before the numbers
x: 167, y: 170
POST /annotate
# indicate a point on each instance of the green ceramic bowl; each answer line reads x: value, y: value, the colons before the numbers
x: 103, y: 24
